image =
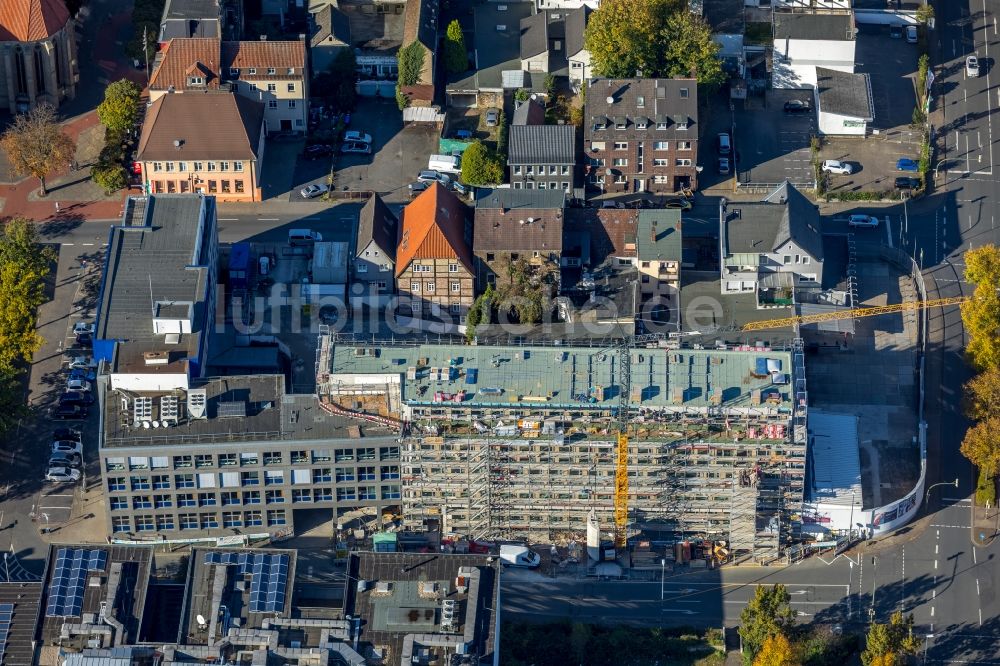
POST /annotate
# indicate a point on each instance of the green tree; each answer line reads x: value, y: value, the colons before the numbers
x: 981, y: 445
x: 410, y: 60
x: 12, y: 407
x: 767, y: 614
x: 335, y: 84
x: 36, y: 145
x: 982, y: 394
x: 626, y: 36
x: 480, y: 166
x: 110, y: 177
x: 456, y: 57
x: 146, y: 15
x: 689, y: 49
x: 776, y: 651
x: 894, y: 638
x: 120, y: 108
x: 24, y: 266
x: 502, y: 133
x: 925, y: 13
x: 981, y: 313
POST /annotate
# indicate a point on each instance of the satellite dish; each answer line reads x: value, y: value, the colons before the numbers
x: 201, y: 619
x: 610, y: 100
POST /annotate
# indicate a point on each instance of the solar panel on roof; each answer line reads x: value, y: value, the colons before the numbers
x: 6, y: 614
x: 67, y: 586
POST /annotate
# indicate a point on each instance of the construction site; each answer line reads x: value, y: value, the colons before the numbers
x: 660, y: 442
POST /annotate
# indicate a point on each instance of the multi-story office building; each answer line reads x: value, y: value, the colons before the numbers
x: 185, y: 453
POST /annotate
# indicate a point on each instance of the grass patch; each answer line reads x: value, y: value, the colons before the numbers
x: 986, y: 490
x: 523, y: 644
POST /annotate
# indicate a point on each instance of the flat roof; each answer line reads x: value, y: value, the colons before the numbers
x: 121, y: 583
x: 407, y: 594
x: 834, y: 458
x: 159, y: 254
x: 24, y: 601
x: 565, y: 377
x: 214, y: 585
x: 263, y: 412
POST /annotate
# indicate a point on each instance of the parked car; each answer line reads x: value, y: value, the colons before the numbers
x: 724, y: 166
x: 680, y: 204
x: 838, y: 167
x: 67, y: 447
x: 81, y: 327
x: 313, y: 191
x: 355, y: 135
x: 62, y: 475
x: 906, y: 164
x: 463, y: 135
x: 317, y: 151
x: 82, y: 373
x: 895, y: 31
x: 359, y: 147
x: 610, y: 203
x: 64, y: 460
x: 797, y: 106
x: 434, y: 177
x: 264, y: 264
x: 417, y: 187
x: 907, y: 183
x: 972, y: 67
x: 80, y: 397
x: 911, y: 34
x: 84, y: 340
x: 492, y: 117
x: 723, y: 143
x: 81, y: 385
x: 70, y: 411
x: 82, y: 362
x: 67, y: 434
x: 461, y: 188
x: 866, y: 221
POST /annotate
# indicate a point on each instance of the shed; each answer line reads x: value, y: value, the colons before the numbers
x: 329, y: 263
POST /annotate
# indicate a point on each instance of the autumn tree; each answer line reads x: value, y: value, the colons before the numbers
x: 981, y: 445
x: 24, y: 265
x: 120, y: 108
x: 982, y: 395
x: 776, y: 651
x: 480, y: 166
x: 654, y: 37
x: 890, y: 641
x: 981, y: 313
x: 36, y: 145
x: 456, y: 57
x: 768, y: 613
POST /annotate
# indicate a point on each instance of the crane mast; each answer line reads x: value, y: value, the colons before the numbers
x: 621, y: 462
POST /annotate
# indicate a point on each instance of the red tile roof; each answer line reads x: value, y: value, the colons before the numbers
x: 31, y: 20
x: 281, y: 55
x: 177, y: 58
x: 432, y: 226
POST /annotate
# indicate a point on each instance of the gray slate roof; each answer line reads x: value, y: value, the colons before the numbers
x: 661, y: 101
x: 331, y: 22
x: 761, y: 227
x: 576, y: 24
x: 531, y: 112
x: 542, y: 144
x: 514, y: 199
x: 497, y: 51
x: 844, y: 93
x: 534, y: 35
x: 659, y: 235
x: 832, y: 27
x: 377, y: 223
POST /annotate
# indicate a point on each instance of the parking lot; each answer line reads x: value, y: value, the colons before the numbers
x: 398, y: 153
x: 771, y: 145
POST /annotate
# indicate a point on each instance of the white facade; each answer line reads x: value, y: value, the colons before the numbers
x: 839, y: 125
x: 579, y: 66
x: 796, y: 60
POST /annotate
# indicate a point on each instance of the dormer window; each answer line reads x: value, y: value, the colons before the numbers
x: 621, y: 123
x: 253, y: 70
x: 684, y: 93
x: 234, y: 71
x: 600, y: 124
x: 661, y: 126
x: 641, y: 123
x: 640, y: 101
x: 291, y: 70
x: 271, y: 71
x: 196, y: 81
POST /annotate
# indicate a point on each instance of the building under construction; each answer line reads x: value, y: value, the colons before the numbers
x: 519, y: 441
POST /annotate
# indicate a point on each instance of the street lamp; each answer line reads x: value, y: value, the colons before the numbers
x: 663, y: 568
x: 943, y: 483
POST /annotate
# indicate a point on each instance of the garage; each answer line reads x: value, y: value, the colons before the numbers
x: 462, y: 100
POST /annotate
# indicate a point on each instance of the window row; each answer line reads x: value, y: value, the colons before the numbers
x: 541, y: 170
x: 197, y: 166
x: 531, y: 185
x: 238, y: 479
x: 427, y: 268
x: 251, y: 497
x: 598, y: 146
x: 186, y: 186
x: 430, y: 287
x: 253, y: 458
x: 197, y: 521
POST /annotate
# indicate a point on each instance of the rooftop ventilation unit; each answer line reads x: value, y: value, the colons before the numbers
x: 235, y: 409
x: 197, y: 403
x: 156, y: 357
x: 168, y: 409
x: 143, y: 410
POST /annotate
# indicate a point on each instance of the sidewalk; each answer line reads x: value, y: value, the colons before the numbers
x: 984, y: 525
x: 70, y: 193
x: 87, y: 522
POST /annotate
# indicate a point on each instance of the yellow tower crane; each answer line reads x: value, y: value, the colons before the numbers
x: 854, y: 313
x: 621, y: 460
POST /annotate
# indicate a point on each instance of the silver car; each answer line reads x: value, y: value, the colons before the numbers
x: 492, y: 117
x: 313, y: 191
x: 62, y: 474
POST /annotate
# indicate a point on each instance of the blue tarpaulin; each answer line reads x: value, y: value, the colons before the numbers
x: 471, y: 376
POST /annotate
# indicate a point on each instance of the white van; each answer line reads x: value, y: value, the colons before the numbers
x: 444, y: 163
x: 303, y: 237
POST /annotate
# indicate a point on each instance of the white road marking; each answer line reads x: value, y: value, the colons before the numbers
x: 935, y: 564
x: 935, y: 549
x: 957, y: 527
x: 980, y: 617
x: 956, y: 499
x: 229, y: 219
x: 68, y: 244
x: 267, y: 219
x: 977, y: 587
x: 932, y: 611
x: 88, y: 244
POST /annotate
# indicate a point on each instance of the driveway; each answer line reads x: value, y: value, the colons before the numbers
x: 398, y: 153
x: 771, y: 145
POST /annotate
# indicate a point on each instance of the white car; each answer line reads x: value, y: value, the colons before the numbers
x: 68, y: 448
x: 838, y: 167
x: 81, y: 327
x: 355, y: 135
x: 359, y: 147
x: 865, y: 221
x: 313, y: 191
x: 432, y: 176
x: 81, y: 385
x: 972, y: 67
x: 62, y: 475
x: 82, y: 362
